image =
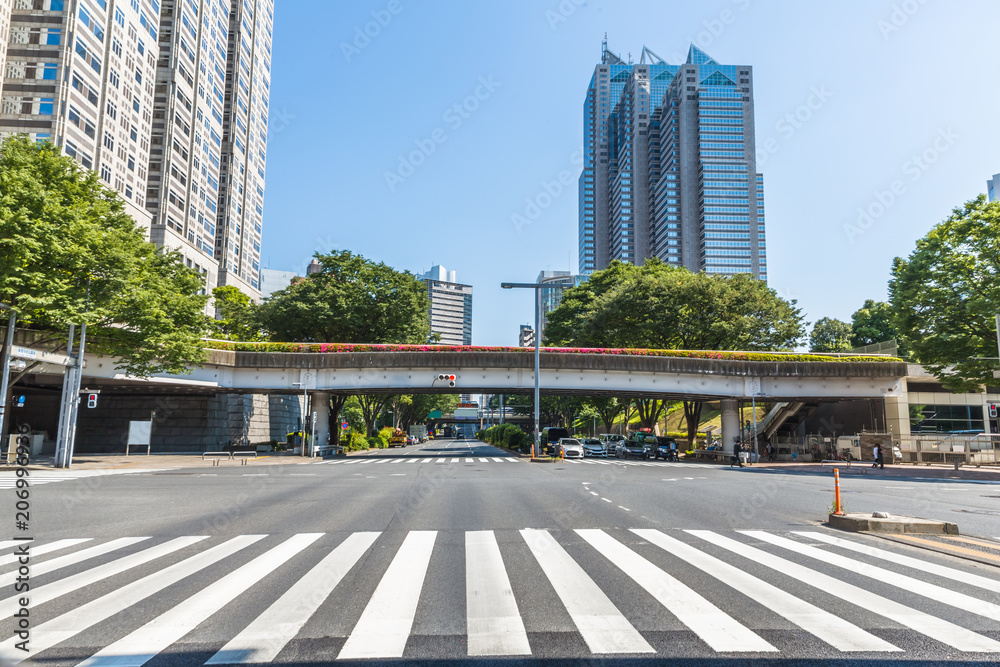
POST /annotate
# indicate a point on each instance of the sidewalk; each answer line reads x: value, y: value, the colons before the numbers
x: 897, y: 470
x: 150, y: 462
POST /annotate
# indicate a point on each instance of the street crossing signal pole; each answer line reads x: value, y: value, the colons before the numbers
x: 4, y: 383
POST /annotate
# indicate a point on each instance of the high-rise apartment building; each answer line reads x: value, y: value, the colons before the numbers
x: 166, y: 100
x: 244, y: 144
x: 80, y: 74
x: 451, y: 306
x: 526, y: 336
x: 669, y: 166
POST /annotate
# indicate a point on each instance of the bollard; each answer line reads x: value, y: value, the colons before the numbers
x: 836, y: 493
x: 956, y: 464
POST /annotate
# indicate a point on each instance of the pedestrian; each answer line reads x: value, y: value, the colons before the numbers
x: 880, y: 457
x: 737, y: 455
x: 877, y: 452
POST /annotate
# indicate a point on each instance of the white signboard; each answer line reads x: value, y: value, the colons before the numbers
x: 138, y: 433
x: 466, y: 413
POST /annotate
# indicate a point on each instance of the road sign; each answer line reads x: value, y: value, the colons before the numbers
x: 91, y: 400
x: 30, y: 354
x: 345, y: 426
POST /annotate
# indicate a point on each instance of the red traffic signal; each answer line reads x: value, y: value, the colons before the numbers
x: 993, y: 410
x: 91, y: 400
x: 450, y: 377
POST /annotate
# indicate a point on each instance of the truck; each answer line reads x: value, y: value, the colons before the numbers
x: 419, y: 431
x: 398, y: 438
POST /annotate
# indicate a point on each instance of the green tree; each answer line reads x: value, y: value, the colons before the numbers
x: 659, y: 306
x: 830, y: 335
x: 238, y: 317
x: 875, y: 323
x: 350, y: 300
x: 70, y: 253
x: 945, y: 296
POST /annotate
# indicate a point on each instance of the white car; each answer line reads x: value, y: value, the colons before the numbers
x: 570, y: 448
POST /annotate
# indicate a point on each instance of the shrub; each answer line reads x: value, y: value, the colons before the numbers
x: 375, y: 442
x: 355, y: 441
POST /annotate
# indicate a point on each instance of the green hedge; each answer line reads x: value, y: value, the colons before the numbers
x: 507, y: 436
x: 332, y: 348
x: 355, y: 441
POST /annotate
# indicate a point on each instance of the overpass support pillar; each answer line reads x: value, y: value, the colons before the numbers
x: 321, y: 406
x: 730, y: 423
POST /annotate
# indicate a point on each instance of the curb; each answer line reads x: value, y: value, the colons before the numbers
x: 889, y: 525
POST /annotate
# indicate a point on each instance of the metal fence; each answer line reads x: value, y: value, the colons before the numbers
x: 967, y: 449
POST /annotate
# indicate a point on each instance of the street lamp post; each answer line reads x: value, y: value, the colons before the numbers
x: 305, y: 411
x: 535, y: 449
x: 6, y: 364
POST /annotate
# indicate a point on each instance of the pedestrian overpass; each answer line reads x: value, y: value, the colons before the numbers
x: 728, y: 377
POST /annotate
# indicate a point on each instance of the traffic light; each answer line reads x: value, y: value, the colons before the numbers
x: 19, y: 401
x: 993, y: 410
x: 449, y: 377
x: 91, y: 400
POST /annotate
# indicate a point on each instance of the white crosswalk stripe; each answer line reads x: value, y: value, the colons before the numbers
x: 8, y: 480
x: 385, y: 624
x: 263, y: 639
x: 43, y: 549
x: 936, y: 628
x: 673, y: 568
x: 603, y: 626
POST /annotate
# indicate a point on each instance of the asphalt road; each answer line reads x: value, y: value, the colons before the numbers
x: 456, y: 551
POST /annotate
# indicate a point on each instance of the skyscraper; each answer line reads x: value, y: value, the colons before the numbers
x: 81, y: 76
x: 669, y: 166
x: 993, y: 188
x: 451, y: 306
x: 244, y: 144
x: 551, y: 297
x: 166, y: 100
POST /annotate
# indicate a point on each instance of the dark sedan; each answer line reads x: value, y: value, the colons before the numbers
x: 631, y: 448
x: 666, y: 449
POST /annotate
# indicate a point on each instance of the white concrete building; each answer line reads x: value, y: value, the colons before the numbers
x: 451, y: 306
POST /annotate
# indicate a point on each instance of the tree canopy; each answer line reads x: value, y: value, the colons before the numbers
x: 831, y: 335
x: 350, y: 300
x: 666, y: 307
x: 945, y: 295
x: 70, y: 253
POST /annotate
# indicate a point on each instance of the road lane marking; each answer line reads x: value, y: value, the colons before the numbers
x: 603, y: 627
x: 427, y: 460
x: 455, y: 461
x: 907, y: 583
x: 715, y: 627
x: 142, y: 645
x: 932, y: 626
x: 605, y: 500
x: 830, y: 628
x: 493, y: 621
x: 267, y: 635
x: 385, y: 624
x: 81, y: 618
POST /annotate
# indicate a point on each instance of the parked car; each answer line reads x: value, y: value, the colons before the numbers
x: 411, y: 440
x: 666, y: 449
x: 569, y: 448
x: 634, y: 448
x: 594, y: 447
x: 610, y: 441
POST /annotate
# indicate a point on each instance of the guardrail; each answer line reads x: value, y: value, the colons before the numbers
x: 243, y: 456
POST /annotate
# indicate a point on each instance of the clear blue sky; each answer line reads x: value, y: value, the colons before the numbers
x: 894, y: 86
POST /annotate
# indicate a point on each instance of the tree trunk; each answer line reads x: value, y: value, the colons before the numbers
x: 649, y: 412
x: 371, y: 406
x: 692, y: 416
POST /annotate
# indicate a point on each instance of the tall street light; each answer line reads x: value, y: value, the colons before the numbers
x: 6, y: 363
x: 535, y: 449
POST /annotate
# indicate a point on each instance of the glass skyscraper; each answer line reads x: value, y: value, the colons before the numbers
x: 669, y: 168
